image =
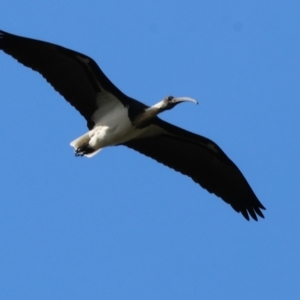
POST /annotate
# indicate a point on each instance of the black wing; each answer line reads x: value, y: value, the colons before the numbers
x: 203, y: 161
x: 75, y: 76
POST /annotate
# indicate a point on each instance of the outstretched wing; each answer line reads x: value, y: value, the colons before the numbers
x: 202, y: 160
x: 74, y: 75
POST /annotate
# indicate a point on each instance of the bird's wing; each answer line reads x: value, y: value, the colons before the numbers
x: 202, y: 160
x: 75, y: 76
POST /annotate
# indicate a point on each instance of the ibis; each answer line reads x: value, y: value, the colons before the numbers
x: 115, y: 119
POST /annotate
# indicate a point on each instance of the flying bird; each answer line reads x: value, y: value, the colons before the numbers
x: 115, y: 119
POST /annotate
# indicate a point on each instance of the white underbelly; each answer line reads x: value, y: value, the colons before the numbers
x: 112, y: 124
x: 113, y: 129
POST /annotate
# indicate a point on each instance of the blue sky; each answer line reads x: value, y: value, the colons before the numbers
x: 121, y: 226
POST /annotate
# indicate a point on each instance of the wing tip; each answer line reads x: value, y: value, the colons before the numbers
x: 253, y: 211
x: 2, y: 33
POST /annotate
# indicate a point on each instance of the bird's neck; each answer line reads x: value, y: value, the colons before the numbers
x: 155, y: 109
x: 148, y: 114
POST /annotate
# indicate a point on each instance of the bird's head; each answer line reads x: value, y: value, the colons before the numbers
x: 170, y: 101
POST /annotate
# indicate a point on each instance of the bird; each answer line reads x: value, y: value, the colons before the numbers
x: 114, y: 119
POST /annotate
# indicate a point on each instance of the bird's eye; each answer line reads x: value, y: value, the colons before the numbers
x: 169, y: 98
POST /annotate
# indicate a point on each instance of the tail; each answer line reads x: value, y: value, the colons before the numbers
x: 82, y: 148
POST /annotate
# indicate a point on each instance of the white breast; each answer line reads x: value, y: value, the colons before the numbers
x: 112, y: 125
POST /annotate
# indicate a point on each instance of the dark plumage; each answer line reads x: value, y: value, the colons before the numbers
x: 116, y: 119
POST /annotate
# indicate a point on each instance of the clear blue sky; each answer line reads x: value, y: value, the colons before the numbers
x: 121, y: 226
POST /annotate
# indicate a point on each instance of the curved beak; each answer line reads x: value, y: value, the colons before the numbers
x: 184, y: 99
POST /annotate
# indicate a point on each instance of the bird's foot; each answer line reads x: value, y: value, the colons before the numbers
x: 83, y: 150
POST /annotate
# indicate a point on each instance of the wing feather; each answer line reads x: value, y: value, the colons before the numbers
x: 202, y: 160
x: 75, y: 76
